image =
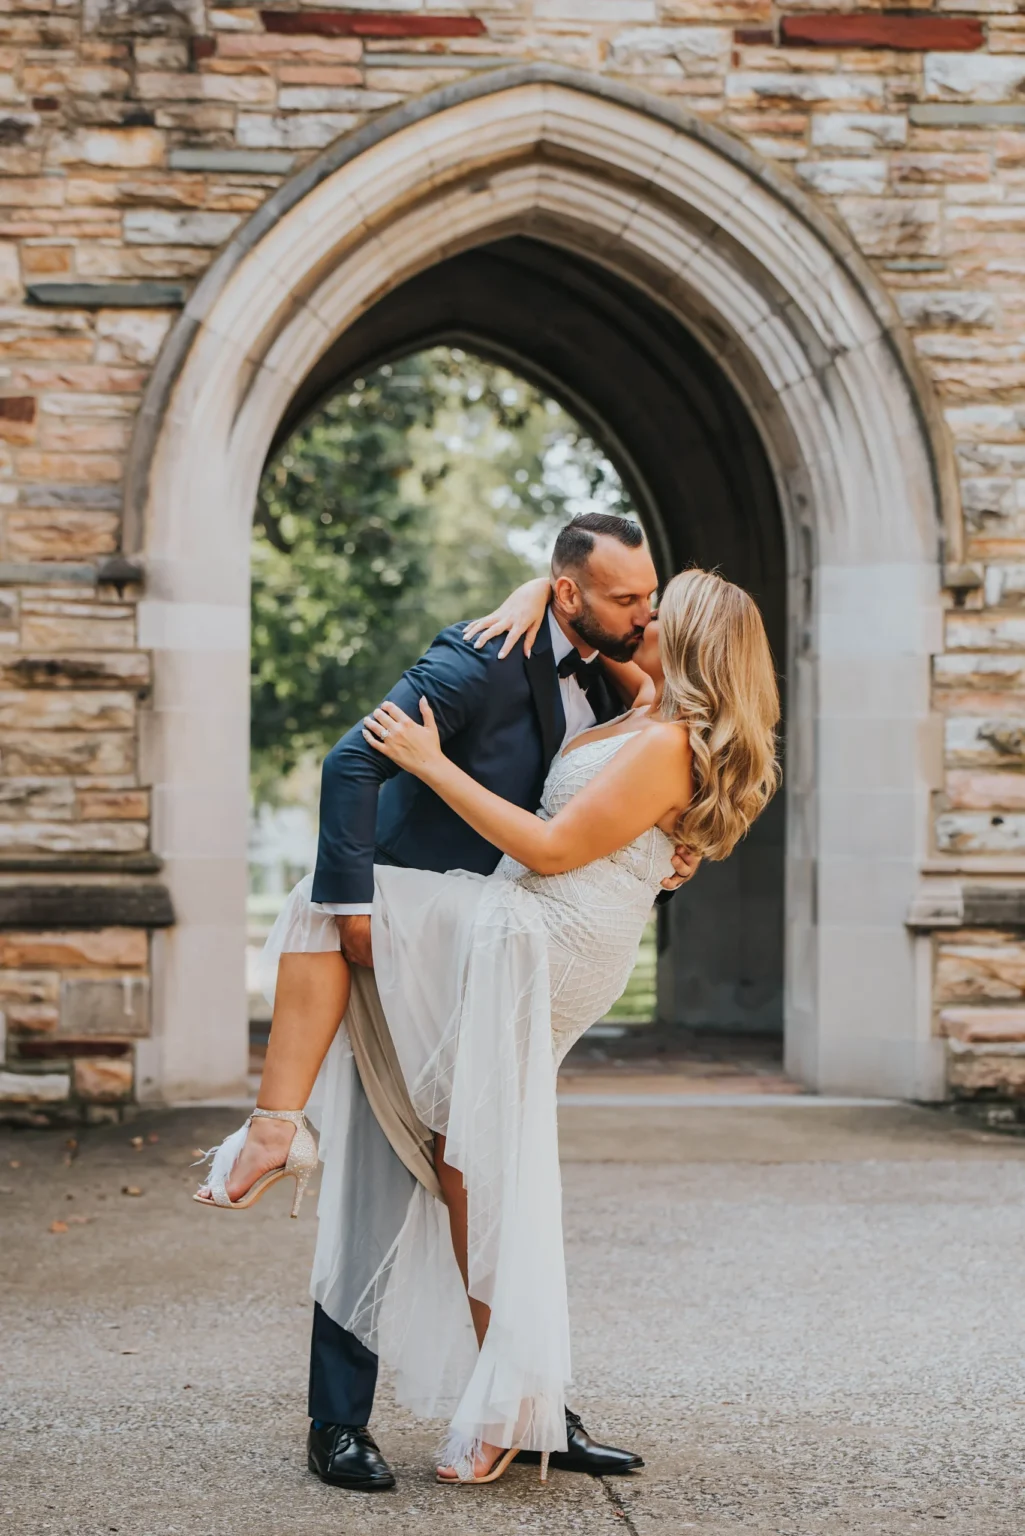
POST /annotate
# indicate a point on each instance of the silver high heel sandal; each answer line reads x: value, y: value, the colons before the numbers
x: 299, y: 1165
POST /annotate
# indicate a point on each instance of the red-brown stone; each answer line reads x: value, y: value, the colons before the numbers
x: 754, y: 37
x: 17, y: 408
x: 203, y: 48
x: 372, y: 24
x: 911, y: 34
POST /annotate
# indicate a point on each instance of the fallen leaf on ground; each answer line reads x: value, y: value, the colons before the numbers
x: 129, y: 1351
x: 79, y: 1221
x: 130, y: 1189
x: 58, y: 1226
x: 138, y: 1143
x: 14, y: 1163
x: 152, y: 1138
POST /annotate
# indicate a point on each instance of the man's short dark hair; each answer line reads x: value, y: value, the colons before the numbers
x: 576, y: 541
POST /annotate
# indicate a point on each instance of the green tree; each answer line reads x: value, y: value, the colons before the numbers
x: 418, y: 495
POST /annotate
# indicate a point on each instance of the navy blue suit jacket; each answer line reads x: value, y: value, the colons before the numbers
x: 501, y: 721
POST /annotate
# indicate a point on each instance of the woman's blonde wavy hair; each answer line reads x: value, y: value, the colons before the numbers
x: 720, y: 680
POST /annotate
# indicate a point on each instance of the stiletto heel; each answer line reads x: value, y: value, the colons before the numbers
x: 299, y: 1165
x: 544, y: 1465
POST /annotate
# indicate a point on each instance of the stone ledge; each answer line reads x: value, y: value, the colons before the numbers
x: 144, y: 295
x: 953, y: 905
x: 86, y: 906
x: 964, y: 115
x: 255, y: 161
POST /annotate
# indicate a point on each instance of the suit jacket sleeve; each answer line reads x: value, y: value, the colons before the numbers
x: 453, y: 676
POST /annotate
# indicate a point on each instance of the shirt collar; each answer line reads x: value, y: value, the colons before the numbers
x: 560, y: 645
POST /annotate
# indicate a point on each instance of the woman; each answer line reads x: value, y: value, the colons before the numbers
x: 486, y: 983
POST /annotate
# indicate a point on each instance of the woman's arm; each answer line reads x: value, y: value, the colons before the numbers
x: 633, y: 685
x: 648, y: 778
x: 522, y: 614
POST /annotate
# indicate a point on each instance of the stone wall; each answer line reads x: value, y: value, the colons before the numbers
x: 135, y: 138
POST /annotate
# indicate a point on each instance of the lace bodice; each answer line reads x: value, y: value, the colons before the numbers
x: 594, y: 915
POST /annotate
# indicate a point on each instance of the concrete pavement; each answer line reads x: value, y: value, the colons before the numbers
x: 808, y: 1319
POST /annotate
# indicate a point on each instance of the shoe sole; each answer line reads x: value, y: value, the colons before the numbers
x: 355, y: 1484
x: 534, y: 1458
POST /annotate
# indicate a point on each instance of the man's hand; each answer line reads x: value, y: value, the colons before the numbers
x: 686, y: 865
x: 354, y: 933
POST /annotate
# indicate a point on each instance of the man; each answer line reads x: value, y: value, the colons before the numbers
x: 503, y: 722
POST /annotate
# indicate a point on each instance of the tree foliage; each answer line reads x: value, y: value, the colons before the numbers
x: 419, y: 495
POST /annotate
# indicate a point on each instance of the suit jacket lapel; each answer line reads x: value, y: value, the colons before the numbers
x: 544, y: 687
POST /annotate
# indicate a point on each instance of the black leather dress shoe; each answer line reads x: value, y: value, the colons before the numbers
x: 582, y: 1454
x: 347, y: 1457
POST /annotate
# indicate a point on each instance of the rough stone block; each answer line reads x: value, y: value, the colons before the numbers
x: 102, y: 1079
x: 121, y: 148
x: 29, y: 1018
x: 835, y: 177
x: 977, y: 789
x: 146, y: 227
x: 858, y: 130
x: 972, y: 1071
x: 61, y: 535
x: 982, y: 77
x: 113, y: 1007
x: 688, y: 51
x: 28, y: 987
x: 100, y: 669
x: 943, y: 307
x: 67, y: 710
x: 980, y: 832
x: 893, y: 226
x: 113, y: 804
x: 30, y: 753
x: 327, y: 98
x: 35, y: 837
x: 34, y: 1087
x: 972, y: 740
x: 36, y: 799
x: 978, y: 973
x: 782, y: 85
x: 124, y: 948
x: 66, y: 632
x: 985, y: 632
x: 256, y: 130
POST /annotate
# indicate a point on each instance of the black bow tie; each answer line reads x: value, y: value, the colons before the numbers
x: 574, y: 665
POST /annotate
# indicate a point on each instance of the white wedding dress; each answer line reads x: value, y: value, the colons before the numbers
x: 485, y: 985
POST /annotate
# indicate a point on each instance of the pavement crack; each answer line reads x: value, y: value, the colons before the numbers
x: 618, y: 1507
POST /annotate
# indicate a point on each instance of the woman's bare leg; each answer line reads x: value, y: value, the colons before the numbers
x: 451, y: 1181
x: 310, y: 1000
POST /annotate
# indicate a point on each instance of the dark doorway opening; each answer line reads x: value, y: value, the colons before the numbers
x: 685, y: 444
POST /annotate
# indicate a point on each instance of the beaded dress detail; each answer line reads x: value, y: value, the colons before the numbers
x: 595, y: 915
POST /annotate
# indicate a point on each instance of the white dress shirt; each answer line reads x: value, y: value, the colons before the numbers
x: 579, y: 717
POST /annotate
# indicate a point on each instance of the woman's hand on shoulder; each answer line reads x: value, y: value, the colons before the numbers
x: 416, y: 748
x: 519, y: 617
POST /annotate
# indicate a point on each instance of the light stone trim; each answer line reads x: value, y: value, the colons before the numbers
x: 814, y: 348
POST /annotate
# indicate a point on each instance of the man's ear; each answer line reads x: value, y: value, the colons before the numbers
x: 566, y: 593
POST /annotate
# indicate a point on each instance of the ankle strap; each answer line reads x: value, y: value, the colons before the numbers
x: 296, y: 1116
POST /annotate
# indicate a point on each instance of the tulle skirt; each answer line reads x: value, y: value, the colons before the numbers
x: 461, y: 966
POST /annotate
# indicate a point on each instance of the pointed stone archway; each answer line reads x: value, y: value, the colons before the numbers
x: 779, y: 298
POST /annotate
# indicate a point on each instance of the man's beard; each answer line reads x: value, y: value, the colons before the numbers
x: 615, y: 647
